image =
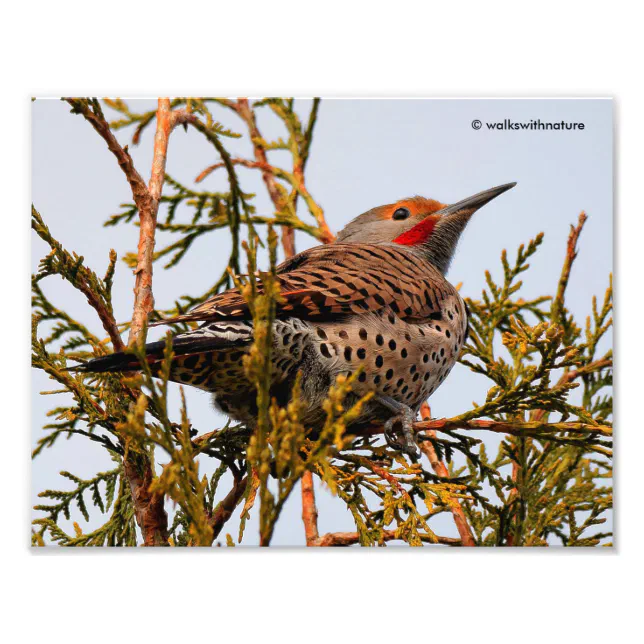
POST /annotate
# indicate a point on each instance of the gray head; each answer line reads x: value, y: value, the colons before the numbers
x: 428, y: 226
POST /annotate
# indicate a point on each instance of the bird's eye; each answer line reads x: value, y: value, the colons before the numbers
x: 401, y: 213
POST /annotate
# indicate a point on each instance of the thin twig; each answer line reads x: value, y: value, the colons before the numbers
x: 501, y: 427
x: 143, y: 296
x: 309, y: 509
x: 97, y: 120
x: 572, y: 375
x: 248, y: 116
x: 571, y: 254
x: 270, y: 173
x: 225, y: 509
x: 467, y: 539
x: 343, y: 539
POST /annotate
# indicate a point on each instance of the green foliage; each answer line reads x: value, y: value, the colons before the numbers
x: 179, y: 480
x: 557, y: 476
x: 549, y: 480
x: 118, y: 530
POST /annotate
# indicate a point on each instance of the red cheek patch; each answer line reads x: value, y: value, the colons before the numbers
x: 419, y: 233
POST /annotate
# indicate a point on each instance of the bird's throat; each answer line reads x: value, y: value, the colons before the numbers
x: 419, y: 234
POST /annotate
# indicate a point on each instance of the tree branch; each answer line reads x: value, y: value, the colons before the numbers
x: 270, y: 173
x: 343, y: 539
x: 225, y: 509
x: 92, y: 112
x: 309, y: 509
x: 143, y: 296
x: 149, y: 507
x: 571, y: 254
x: 467, y: 539
x: 529, y: 428
x: 242, y: 107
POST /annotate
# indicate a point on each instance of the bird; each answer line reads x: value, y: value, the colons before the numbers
x: 375, y: 301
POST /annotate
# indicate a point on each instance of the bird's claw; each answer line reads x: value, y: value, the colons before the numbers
x: 407, y: 445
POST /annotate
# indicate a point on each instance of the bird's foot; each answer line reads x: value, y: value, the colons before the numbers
x: 399, y: 429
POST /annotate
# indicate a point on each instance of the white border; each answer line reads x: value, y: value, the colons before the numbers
x: 343, y: 49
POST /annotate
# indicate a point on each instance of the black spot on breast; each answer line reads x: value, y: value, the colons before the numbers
x: 392, y: 345
x: 379, y: 361
x: 444, y: 361
x: 400, y: 382
x: 403, y: 353
x: 449, y: 315
x: 421, y: 332
x: 426, y: 377
x: 376, y: 380
x: 438, y: 328
x: 361, y: 353
x: 442, y: 351
x: 407, y: 337
x: 416, y: 377
x: 413, y: 369
x: 362, y: 377
x: 321, y: 333
x: 363, y: 334
x: 425, y: 358
x: 347, y: 353
x: 448, y: 334
x: 380, y: 340
x: 324, y: 350
x: 392, y: 318
x: 191, y: 362
x: 404, y: 390
x: 390, y: 374
x: 343, y: 334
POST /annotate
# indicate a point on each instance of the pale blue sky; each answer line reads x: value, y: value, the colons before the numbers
x: 365, y: 153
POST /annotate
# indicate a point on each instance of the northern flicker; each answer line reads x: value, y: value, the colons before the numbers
x: 376, y: 298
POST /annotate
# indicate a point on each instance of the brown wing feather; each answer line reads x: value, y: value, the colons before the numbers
x: 341, y: 279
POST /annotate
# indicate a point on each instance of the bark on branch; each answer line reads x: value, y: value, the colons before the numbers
x: 309, y: 510
x: 225, y: 509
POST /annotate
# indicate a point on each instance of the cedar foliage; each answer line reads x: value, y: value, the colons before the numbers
x: 550, y: 481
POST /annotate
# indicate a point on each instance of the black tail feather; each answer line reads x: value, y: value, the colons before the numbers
x: 182, y: 345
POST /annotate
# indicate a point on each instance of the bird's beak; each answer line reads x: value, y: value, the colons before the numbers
x: 470, y: 205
